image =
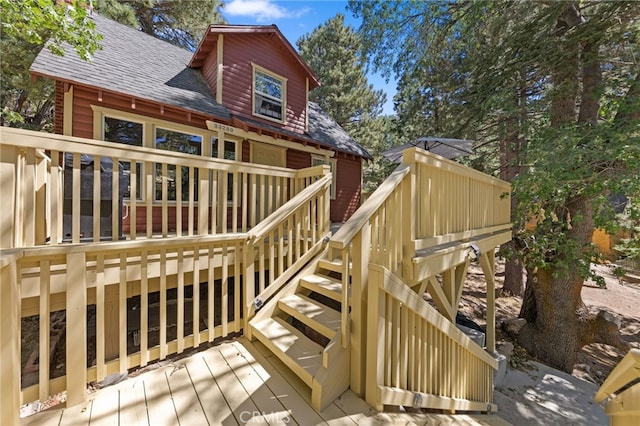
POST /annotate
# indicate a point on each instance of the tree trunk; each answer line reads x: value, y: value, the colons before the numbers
x: 558, y: 325
x: 511, y: 149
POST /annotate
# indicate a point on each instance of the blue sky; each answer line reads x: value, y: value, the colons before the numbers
x: 295, y: 19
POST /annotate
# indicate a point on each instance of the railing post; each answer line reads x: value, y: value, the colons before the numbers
x: 76, y: 334
x: 8, y: 186
x: 359, y: 288
x: 10, y: 345
x: 375, y: 356
x: 487, y: 262
x: 410, y: 214
x: 249, y: 282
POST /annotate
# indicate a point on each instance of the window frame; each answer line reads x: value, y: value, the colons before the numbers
x: 317, y: 160
x: 140, y: 176
x: 256, y: 69
x: 202, y: 137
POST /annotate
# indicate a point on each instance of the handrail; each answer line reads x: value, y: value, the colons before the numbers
x: 284, y: 211
x: 412, y: 349
x: 62, y: 143
x: 115, y: 246
x: 624, y: 373
x: 399, y: 290
x: 164, y: 192
x: 428, y: 158
x: 350, y: 229
x: 286, y: 240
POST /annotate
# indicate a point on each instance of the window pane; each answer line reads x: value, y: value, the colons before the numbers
x: 214, y: 147
x: 268, y: 96
x: 229, y: 150
x: 171, y: 140
x: 129, y: 133
x: 268, y: 85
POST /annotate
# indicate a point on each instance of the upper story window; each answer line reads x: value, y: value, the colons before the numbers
x: 269, y: 94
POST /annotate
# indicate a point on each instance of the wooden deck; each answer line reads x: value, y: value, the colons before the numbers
x: 237, y: 382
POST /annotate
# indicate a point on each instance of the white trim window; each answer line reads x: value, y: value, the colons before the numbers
x: 269, y: 95
x: 176, y: 141
x: 122, y: 130
x: 317, y: 160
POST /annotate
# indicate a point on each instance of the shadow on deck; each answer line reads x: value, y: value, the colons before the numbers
x: 236, y: 382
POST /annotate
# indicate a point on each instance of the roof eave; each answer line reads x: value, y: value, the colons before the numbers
x: 251, y: 29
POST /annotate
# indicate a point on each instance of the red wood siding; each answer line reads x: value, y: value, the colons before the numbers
x: 58, y: 116
x: 240, y: 50
x: 246, y: 151
x: 348, y: 188
x: 298, y: 159
x: 84, y: 97
x: 210, y: 71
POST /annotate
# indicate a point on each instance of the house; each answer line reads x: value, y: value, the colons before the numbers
x: 188, y: 198
x: 242, y: 95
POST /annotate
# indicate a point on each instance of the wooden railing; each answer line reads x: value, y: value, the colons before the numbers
x: 122, y: 304
x: 621, y: 391
x: 285, y: 242
x: 139, y: 295
x: 53, y: 184
x: 426, y: 203
x: 416, y: 357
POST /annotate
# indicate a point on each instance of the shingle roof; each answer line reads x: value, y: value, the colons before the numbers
x: 134, y: 63
x: 129, y: 63
x: 323, y: 129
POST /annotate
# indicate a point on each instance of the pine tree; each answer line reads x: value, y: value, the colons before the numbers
x: 180, y: 22
x: 552, y: 87
x: 332, y: 50
x: 27, y: 27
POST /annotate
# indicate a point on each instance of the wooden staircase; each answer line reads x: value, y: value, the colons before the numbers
x: 301, y: 326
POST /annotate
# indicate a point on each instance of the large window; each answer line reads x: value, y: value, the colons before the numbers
x: 268, y: 95
x: 130, y: 133
x: 317, y: 160
x: 228, y: 151
x: 171, y: 140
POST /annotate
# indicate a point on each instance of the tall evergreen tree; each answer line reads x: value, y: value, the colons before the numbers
x: 27, y: 27
x: 547, y: 82
x: 180, y: 22
x: 332, y: 50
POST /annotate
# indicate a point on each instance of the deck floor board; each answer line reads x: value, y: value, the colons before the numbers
x: 233, y: 383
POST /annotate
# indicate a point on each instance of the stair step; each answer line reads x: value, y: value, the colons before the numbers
x: 319, y: 317
x: 326, y: 286
x: 331, y: 265
x: 297, y: 351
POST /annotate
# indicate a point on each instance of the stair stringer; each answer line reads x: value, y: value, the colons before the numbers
x: 333, y: 378
x: 271, y: 307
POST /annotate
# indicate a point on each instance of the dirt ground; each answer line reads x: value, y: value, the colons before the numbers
x: 595, y: 361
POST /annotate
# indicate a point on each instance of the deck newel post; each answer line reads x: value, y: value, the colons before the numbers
x: 487, y: 262
x: 249, y: 287
x: 10, y: 344
x: 359, y: 288
x: 76, y: 334
x: 375, y: 356
x: 410, y: 214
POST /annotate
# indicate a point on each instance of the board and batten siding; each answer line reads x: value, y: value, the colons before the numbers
x: 240, y: 51
x: 348, y: 188
x: 84, y: 97
x: 209, y: 71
